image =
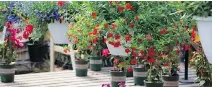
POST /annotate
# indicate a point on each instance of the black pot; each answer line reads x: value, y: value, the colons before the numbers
x: 81, y: 68
x: 38, y: 52
x: 140, y: 74
x: 95, y: 63
x: 117, y: 77
x: 129, y: 74
x: 153, y: 84
x: 7, y: 73
x: 170, y: 81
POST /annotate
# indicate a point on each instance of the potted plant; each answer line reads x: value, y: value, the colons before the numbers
x: 201, y: 11
x: 204, y: 72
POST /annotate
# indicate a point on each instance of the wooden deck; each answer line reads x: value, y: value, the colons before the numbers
x: 67, y: 78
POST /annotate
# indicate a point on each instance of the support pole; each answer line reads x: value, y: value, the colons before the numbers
x: 186, y: 64
x: 52, y: 55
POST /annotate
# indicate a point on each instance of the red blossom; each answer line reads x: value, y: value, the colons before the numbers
x: 136, y: 18
x: 129, y: 69
x: 150, y: 59
x: 128, y: 37
x: 115, y: 61
x: 97, y: 25
x: 95, y: 31
x: 128, y: 6
x: 149, y: 37
x: 112, y: 43
x: 110, y: 2
x: 133, y: 48
x: 105, y: 40
x: 94, y: 15
x: 200, y: 70
x: 131, y: 25
x: 120, y: 9
x: 187, y: 47
x: 110, y: 35
x: 162, y: 31
x: 177, y: 51
x: 186, y: 28
x: 26, y: 34
x: 134, y: 54
x: 117, y: 36
x: 156, y: 67
x: 127, y: 50
x: 113, y: 26
x: 105, y: 25
x: 133, y: 62
x: 165, y: 64
x: 117, y: 44
x: 61, y: 3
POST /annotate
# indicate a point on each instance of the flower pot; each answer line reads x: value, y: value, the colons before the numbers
x: 81, y: 68
x: 170, y: 81
x: 38, y: 52
x: 205, y: 32
x: 153, y: 84
x: 129, y: 74
x: 7, y: 73
x: 117, y: 77
x: 95, y: 63
x: 140, y: 74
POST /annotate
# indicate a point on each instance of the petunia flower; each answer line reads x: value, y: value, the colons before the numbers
x: 122, y: 84
x: 105, y: 52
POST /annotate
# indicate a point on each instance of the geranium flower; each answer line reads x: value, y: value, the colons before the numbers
x: 128, y: 6
x: 105, y: 52
x: 136, y: 18
x: 162, y: 31
x: 200, y: 70
x: 187, y: 47
x: 129, y: 69
x: 105, y: 25
x: 110, y: 35
x: 120, y: 9
x: 134, y: 54
x: 94, y: 15
x: 117, y: 36
x: 149, y: 37
x: 112, y: 43
x: 105, y: 40
x: 117, y: 44
x: 95, y: 31
x: 110, y: 2
x: 133, y: 62
x: 165, y: 64
x: 115, y: 61
x: 113, y: 26
x: 61, y: 3
x: 127, y: 50
x: 127, y: 37
x: 131, y: 25
x: 133, y: 49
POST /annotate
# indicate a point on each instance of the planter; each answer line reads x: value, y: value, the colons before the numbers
x: 81, y: 68
x: 95, y: 63
x: 170, y: 81
x: 205, y: 32
x: 154, y: 84
x: 117, y: 77
x: 140, y: 74
x: 129, y: 74
x: 38, y: 52
x: 7, y: 73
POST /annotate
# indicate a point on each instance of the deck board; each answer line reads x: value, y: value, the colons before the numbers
x: 67, y: 78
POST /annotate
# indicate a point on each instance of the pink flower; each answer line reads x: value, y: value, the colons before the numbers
x: 105, y: 52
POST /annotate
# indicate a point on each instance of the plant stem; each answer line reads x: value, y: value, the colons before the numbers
x: 150, y: 73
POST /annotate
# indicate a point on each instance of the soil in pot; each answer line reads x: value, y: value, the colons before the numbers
x: 140, y: 74
x: 81, y: 68
x: 170, y: 81
x: 95, y: 63
x: 7, y: 73
x: 38, y: 52
x: 117, y: 77
x: 153, y: 84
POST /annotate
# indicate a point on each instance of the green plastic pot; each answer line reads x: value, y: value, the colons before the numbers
x: 81, y: 68
x: 154, y: 84
x: 95, y: 63
x: 170, y: 81
x: 129, y: 74
x: 7, y: 73
x: 117, y: 77
x: 140, y: 74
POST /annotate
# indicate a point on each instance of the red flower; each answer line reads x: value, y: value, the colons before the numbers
x: 133, y: 62
x: 26, y: 34
x: 95, y: 31
x: 200, y: 70
x: 150, y: 59
x: 29, y: 28
x: 115, y: 61
x: 113, y: 26
x: 117, y: 36
x: 129, y: 69
x: 110, y: 2
x: 133, y: 48
x: 97, y: 25
x: 127, y: 50
x: 156, y: 67
x: 131, y: 25
x: 162, y: 31
x: 94, y: 15
x: 112, y: 43
x: 136, y: 18
x: 128, y: 6
x: 66, y: 50
x: 177, y: 51
x: 141, y: 53
x: 110, y: 35
x: 60, y: 3
x: 187, y: 47
x: 120, y: 9
x: 127, y: 37
x: 186, y: 27
x: 193, y: 34
x: 94, y: 41
x: 105, y: 25
x: 151, y: 52
x: 148, y: 36
x: 165, y: 64
x: 134, y: 54
x: 139, y: 40
x: 105, y: 40
x: 117, y: 44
